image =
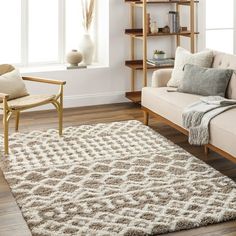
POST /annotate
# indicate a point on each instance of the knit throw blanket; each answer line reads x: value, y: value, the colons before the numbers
x: 197, y: 117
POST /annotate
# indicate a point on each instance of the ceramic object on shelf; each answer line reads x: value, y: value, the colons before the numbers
x: 166, y: 29
x: 160, y: 56
x: 86, y: 46
x: 74, y: 57
x: 154, y: 28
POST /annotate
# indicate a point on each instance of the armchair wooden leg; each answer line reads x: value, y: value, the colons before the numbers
x: 61, y: 112
x: 17, y: 121
x: 146, y: 117
x: 5, y: 130
x: 59, y: 109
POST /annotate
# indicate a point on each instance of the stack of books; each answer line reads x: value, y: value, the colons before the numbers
x: 161, y: 62
x: 174, y: 22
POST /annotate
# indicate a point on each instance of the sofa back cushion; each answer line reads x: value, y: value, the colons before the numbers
x: 227, y: 61
x: 183, y: 57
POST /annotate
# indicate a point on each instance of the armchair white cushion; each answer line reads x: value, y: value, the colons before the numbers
x: 11, y: 83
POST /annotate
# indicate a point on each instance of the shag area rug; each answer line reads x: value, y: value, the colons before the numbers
x: 120, y: 178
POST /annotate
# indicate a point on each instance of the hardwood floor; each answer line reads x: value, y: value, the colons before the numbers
x: 11, y: 220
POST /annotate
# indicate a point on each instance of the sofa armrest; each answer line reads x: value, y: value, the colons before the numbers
x: 161, y: 77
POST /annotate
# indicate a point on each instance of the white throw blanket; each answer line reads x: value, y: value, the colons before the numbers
x: 197, y: 117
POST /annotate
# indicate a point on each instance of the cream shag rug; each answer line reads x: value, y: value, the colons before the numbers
x: 112, y: 179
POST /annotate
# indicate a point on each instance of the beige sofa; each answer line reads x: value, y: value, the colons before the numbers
x: 168, y: 106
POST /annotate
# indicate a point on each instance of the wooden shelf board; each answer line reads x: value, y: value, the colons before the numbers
x: 134, y: 96
x: 139, y: 33
x: 138, y: 65
x: 139, y: 2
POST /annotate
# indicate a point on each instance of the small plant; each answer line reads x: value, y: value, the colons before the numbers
x: 159, y: 52
x: 159, y: 55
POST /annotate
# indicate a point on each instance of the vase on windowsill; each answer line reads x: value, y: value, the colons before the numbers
x: 86, y: 46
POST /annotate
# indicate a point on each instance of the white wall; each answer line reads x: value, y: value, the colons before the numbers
x: 101, y: 85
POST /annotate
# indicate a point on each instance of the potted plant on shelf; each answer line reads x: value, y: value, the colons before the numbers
x: 86, y: 45
x: 159, y: 55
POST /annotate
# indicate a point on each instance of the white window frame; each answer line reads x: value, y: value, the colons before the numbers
x: 61, y: 36
x: 202, y: 26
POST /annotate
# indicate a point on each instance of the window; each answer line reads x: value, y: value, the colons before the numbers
x: 72, y: 35
x: 39, y: 31
x: 43, y: 30
x: 220, y: 25
x: 10, y: 39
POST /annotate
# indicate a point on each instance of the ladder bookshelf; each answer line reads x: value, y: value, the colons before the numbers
x: 142, y: 34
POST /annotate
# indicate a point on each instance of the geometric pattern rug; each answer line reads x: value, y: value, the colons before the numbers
x: 120, y: 178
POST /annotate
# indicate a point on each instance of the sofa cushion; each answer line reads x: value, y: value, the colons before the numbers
x: 205, y: 81
x: 223, y: 132
x: 170, y: 105
x: 167, y: 104
x: 223, y: 60
x: 182, y: 57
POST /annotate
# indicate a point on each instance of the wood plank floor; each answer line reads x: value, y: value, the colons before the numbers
x: 11, y: 220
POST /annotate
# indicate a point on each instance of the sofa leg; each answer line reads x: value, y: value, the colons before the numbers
x: 206, y: 150
x: 145, y: 118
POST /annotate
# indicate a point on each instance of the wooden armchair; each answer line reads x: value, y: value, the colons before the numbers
x: 15, y: 106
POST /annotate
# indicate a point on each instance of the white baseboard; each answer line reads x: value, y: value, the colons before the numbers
x: 88, y: 100
x: 94, y: 99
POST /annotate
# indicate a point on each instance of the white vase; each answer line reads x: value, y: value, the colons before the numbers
x: 86, y: 46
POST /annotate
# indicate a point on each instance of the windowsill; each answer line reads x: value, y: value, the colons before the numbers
x: 58, y: 67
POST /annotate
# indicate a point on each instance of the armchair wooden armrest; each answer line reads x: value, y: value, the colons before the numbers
x: 4, y: 95
x: 42, y: 80
x: 48, y: 81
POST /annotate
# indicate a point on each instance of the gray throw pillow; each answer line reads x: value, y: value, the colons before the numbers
x: 205, y: 81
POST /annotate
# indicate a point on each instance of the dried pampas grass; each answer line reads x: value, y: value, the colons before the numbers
x: 87, y: 12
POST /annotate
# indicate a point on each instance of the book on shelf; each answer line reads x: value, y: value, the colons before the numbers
x: 161, y: 62
x: 174, y: 22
